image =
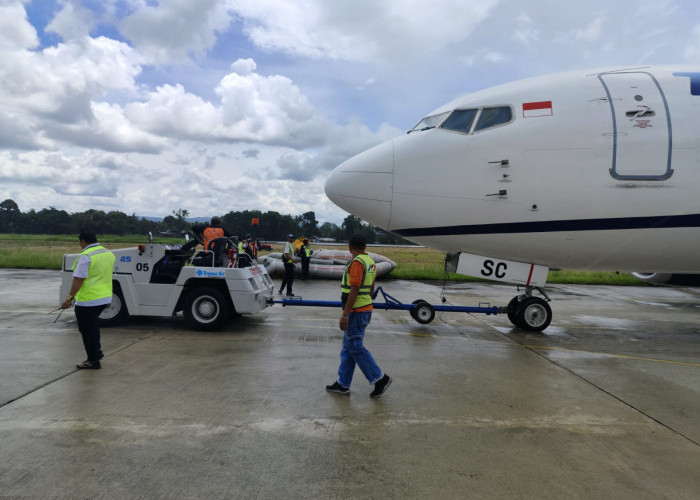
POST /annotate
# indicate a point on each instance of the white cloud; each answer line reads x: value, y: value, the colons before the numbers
x: 15, y: 31
x: 526, y: 33
x: 72, y: 21
x: 251, y: 107
x: 52, y: 92
x: 364, y: 30
x: 90, y: 174
x: 591, y: 33
x: 173, y: 30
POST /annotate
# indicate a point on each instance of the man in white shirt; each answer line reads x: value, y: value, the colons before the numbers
x: 91, y: 290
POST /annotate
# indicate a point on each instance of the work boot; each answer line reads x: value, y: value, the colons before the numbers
x: 337, y: 388
x: 381, y: 386
x: 88, y: 365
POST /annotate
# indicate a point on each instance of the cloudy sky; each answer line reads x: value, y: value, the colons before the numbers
x: 149, y: 106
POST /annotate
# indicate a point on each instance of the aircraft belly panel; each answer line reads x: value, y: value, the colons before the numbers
x: 660, y: 250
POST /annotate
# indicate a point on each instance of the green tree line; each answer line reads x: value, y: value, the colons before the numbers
x: 271, y: 225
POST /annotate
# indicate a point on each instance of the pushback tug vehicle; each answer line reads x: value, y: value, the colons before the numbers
x: 207, y: 286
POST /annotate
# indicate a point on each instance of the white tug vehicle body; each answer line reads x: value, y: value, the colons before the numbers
x: 162, y: 280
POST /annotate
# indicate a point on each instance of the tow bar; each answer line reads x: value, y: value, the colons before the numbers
x: 420, y: 310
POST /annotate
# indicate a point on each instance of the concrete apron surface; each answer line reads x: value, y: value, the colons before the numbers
x: 604, y: 404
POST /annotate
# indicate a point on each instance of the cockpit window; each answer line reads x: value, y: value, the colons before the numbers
x: 460, y: 120
x: 490, y: 117
x: 429, y: 122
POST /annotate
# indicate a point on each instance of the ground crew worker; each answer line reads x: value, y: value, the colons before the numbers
x: 256, y: 247
x: 212, y: 232
x: 91, y: 290
x: 357, y: 288
x: 287, y: 254
x: 250, y: 247
x: 305, y: 253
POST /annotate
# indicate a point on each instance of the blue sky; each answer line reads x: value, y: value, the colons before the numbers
x: 149, y: 106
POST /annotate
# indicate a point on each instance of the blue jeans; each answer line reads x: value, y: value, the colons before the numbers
x: 354, y: 353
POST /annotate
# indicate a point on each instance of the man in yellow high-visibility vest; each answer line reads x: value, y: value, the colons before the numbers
x: 91, y: 290
x: 357, y: 288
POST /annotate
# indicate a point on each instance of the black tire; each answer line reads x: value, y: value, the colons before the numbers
x: 512, y: 311
x: 423, y: 313
x: 206, y: 309
x: 533, y: 314
x: 116, y: 313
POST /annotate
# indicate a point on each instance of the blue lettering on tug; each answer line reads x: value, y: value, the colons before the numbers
x: 203, y: 273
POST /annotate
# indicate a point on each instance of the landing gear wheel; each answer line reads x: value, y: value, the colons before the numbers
x: 116, y: 312
x: 512, y: 311
x: 532, y: 314
x: 423, y: 313
x: 206, y: 309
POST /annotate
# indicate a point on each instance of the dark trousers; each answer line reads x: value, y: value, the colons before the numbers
x: 305, y: 268
x: 288, y: 280
x: 90, y: 329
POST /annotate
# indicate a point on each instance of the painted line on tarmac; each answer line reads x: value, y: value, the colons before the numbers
x: 621, y: 356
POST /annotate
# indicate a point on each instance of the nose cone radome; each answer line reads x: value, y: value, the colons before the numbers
x: 363, y: 184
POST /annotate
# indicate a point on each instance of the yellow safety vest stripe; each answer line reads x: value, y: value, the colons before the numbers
x: 98, y: 284
x: 289, y: 250
x: 369, y: 274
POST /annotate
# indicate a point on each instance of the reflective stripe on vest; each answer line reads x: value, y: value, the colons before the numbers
x: 289, y: 250
x: 211, y: 233
x: 98, y: 284
x: 369, y: 273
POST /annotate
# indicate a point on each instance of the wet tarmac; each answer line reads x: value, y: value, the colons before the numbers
x: 604, y: 404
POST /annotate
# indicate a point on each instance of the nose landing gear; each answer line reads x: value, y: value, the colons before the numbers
x: 530, y: 313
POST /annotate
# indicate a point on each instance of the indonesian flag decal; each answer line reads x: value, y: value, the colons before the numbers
x: 534, y: 109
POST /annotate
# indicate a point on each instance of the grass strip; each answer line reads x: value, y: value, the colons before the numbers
x: 18, y: 251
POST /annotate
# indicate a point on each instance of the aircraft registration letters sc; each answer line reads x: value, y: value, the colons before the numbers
x: 507, y: 271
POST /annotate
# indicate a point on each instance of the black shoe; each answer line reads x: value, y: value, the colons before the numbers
x: 336, y: 387
x: 290, y: 295
x: 279, y: 293
x: 381, y: 386
x: 88, y: 365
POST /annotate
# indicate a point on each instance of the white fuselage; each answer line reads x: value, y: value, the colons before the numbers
x: 592, y: 170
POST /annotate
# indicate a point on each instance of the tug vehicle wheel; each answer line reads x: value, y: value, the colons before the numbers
x: 115, y: 313
x: 206, y: 309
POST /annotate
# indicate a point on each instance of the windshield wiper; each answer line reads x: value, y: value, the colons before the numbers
x: 420, y: 129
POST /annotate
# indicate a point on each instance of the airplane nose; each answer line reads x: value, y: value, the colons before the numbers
x: 363, y: 184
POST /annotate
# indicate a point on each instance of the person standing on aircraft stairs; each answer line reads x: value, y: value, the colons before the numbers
x: 305, y: 253
x: 287, y: 255
x: 357, y: 288
x: 91, y: 291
